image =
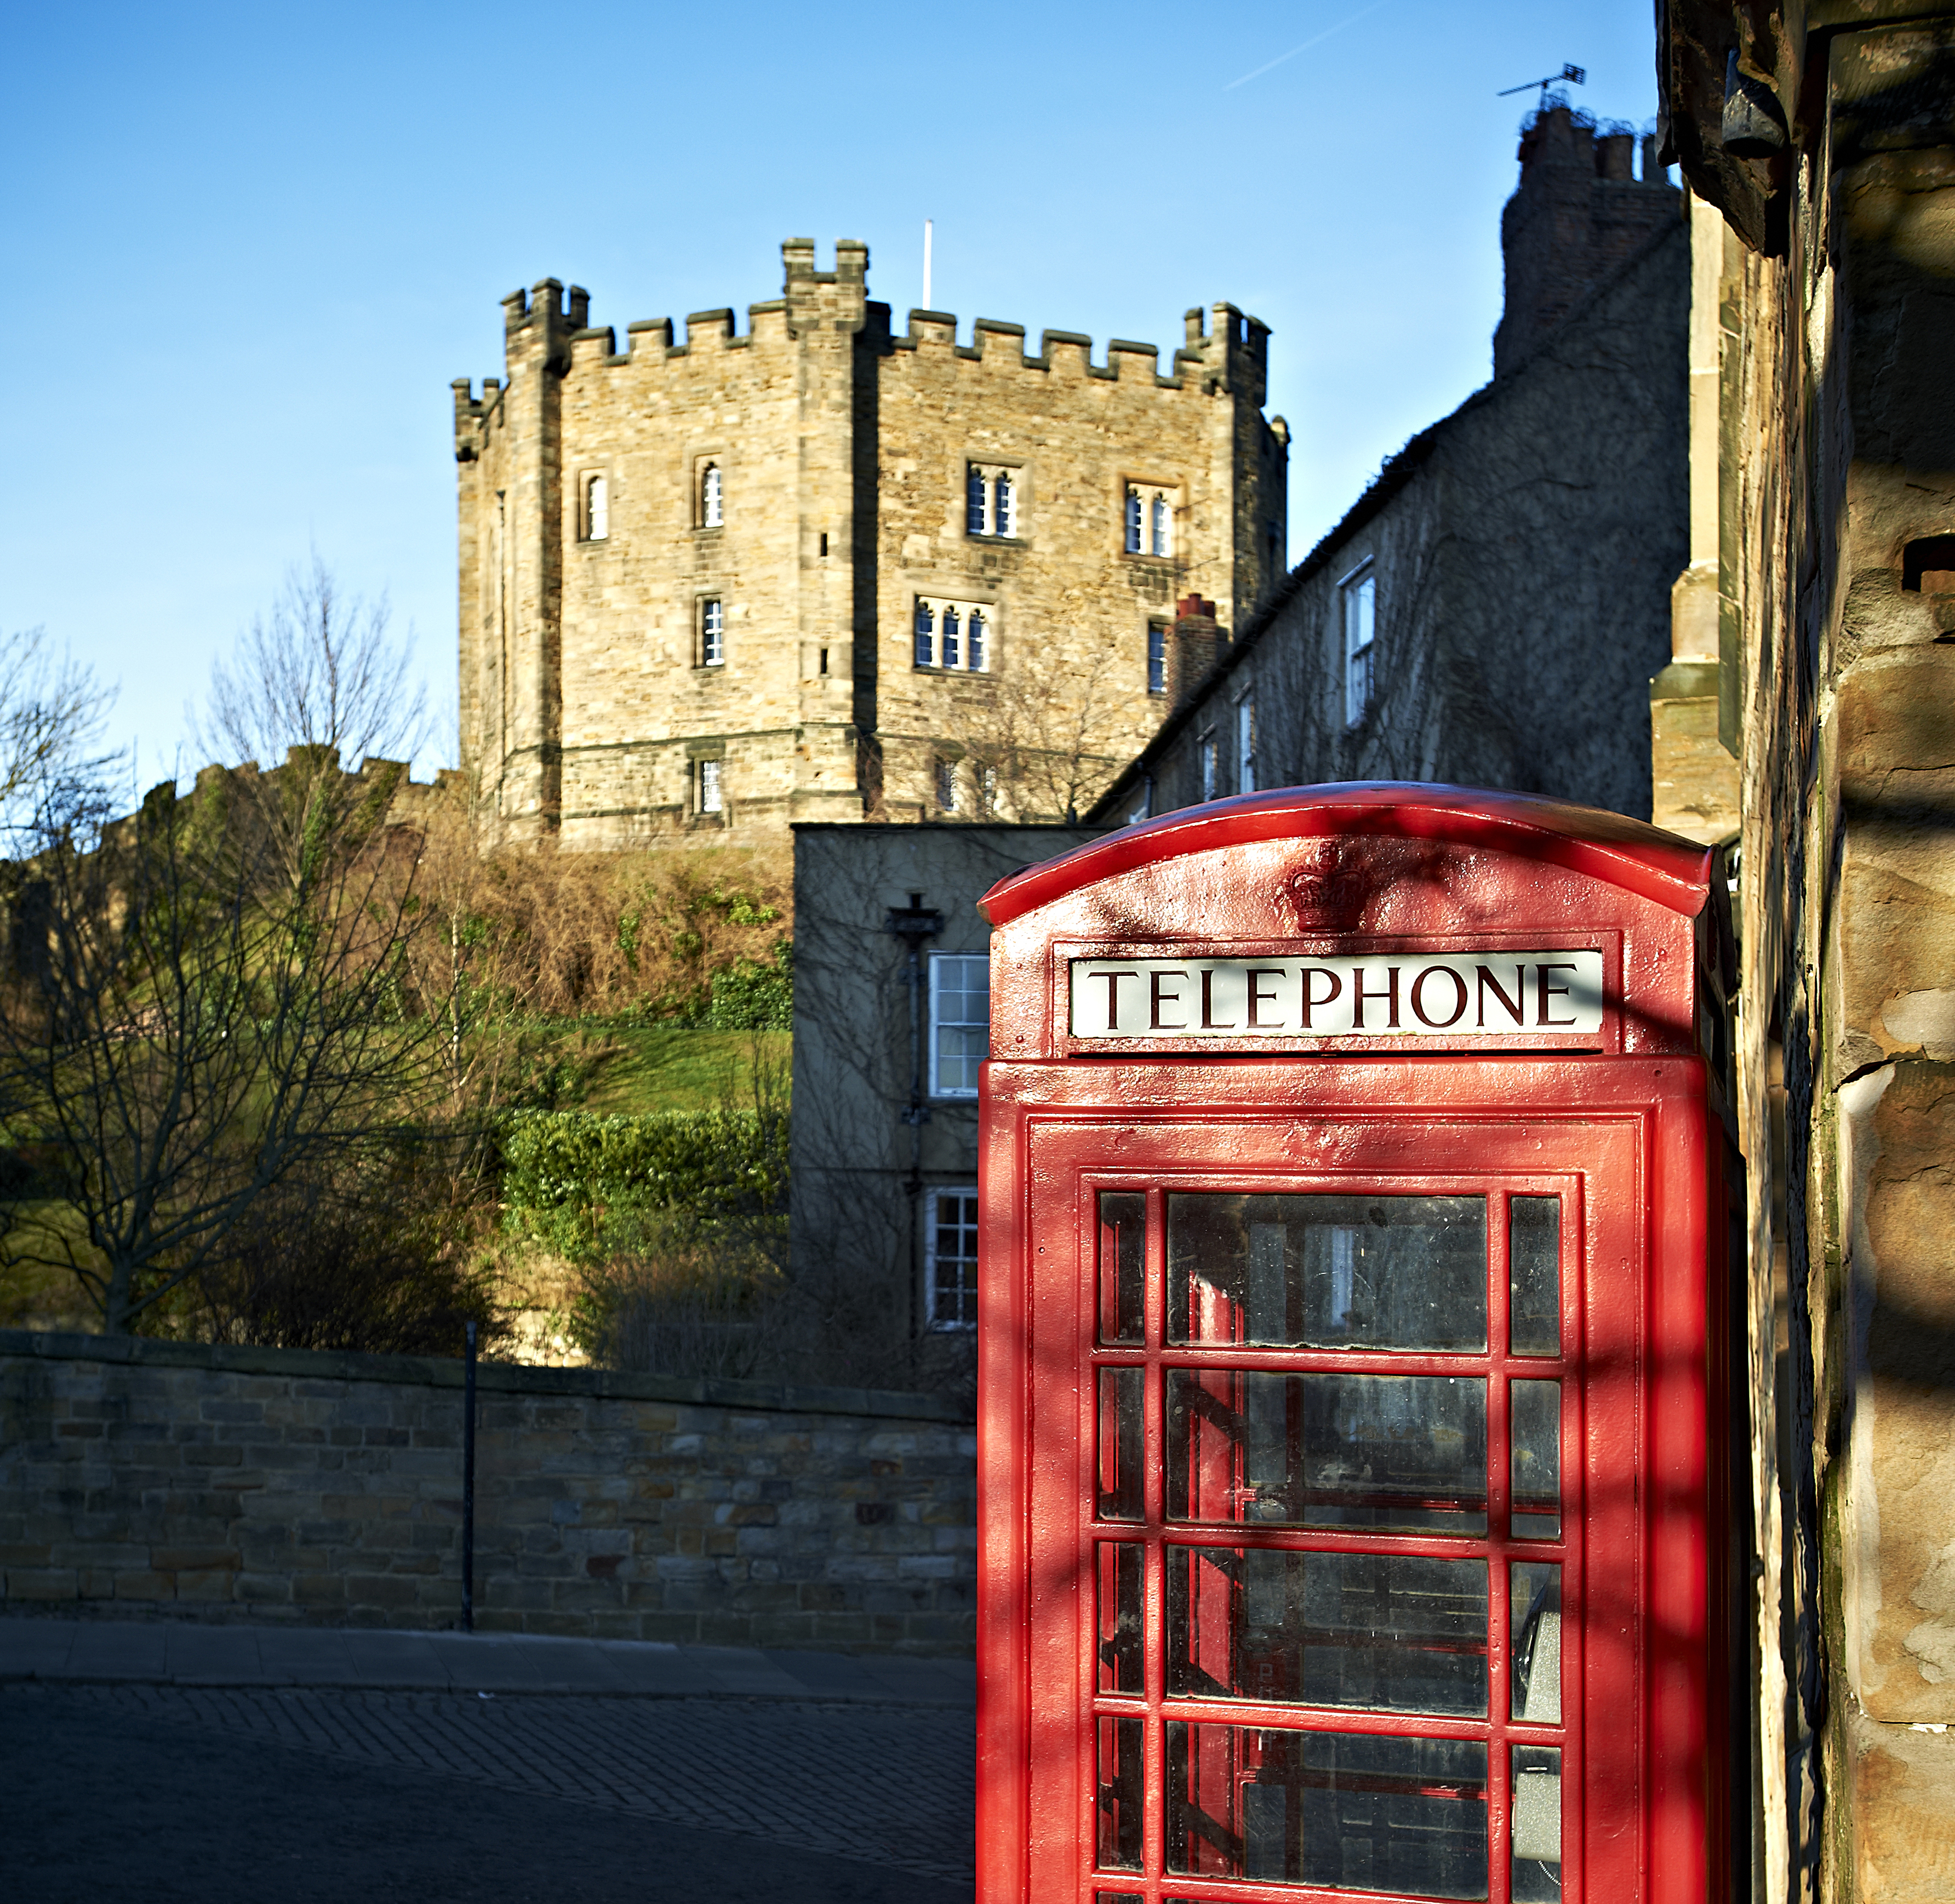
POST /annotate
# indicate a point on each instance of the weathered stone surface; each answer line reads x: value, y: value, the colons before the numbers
x: 841, y: 452
x: 605, y: 1505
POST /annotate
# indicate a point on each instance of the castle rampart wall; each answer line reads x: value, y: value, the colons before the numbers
x: 592, y: 689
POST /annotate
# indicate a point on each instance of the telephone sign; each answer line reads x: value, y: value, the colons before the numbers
x: 1353, y: 1459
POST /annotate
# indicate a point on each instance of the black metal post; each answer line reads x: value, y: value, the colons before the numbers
x: 468, y: 1487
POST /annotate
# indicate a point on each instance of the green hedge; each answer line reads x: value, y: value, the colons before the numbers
x: 710, y: 1162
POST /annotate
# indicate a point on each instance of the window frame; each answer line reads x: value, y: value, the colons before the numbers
x: 709, y: 787
x: 937, y: 1023
x: 1147, y: 511
x: 1157, y: 634
x: 1245, y: 743
x: 966, y: 1223
x: 593, y: 517
x: 994, y: 497
x: 1357, y: 606
x: 943, y: 781
x: 710, y: 492
x: 928, y: 645
x: 710, y: 637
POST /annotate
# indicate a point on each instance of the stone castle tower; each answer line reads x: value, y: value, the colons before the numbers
x: 818, y: 571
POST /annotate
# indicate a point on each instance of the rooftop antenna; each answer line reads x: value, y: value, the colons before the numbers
x: 1571, y: 75
x: 928, y: 230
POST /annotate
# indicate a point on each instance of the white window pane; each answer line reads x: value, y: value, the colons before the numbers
x: 598, y: 516
x: 709, y: 787
x: 710, y: 497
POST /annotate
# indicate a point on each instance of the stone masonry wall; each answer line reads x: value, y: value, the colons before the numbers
x: 139, y: 1478
x: 842, y: 451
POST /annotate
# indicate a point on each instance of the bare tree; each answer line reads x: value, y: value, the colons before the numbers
x: 183, y: 1036
x: 320, y: 684
x: 1045, y: 744
x: 53, y: 762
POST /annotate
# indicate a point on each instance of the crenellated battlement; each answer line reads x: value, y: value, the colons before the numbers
x: 1230, y: 352
x: 692, y: 549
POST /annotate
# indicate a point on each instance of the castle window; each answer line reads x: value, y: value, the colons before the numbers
x: 990, y: 501
x: 1359, y: 593
x: 1245, y: 745
x: 1147, y: 520
x: 1210, y: 757
x: 960, y: 1022
x: 711, y: 508
x: 1157, y: 657
x: 950, y: 1262
x: 597, y: 508
x: 710, y: 801
x: 953, y: 635
x: 947, y: 785
x: 987, y: 790
x: 712, y: 633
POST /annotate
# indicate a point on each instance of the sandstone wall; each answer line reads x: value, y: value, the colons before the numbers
x: 154, y: 1477
x: 842, y: 452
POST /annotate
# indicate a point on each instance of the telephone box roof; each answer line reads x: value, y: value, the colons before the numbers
x: 1640, y: 858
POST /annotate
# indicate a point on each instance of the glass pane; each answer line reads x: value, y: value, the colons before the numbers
x: 1371, y: 1451
x: 1534, y: 1274
x: 1403, y: 1815
x: 1383, y: 1631
x: 1123, y: 1235
x: 1120, y: 1663
x: 1535, y: 1428
x: 1121, y: 1454
x: 1122, y: 1781
x: 1328, y: 1272
x: 1536, y: 1825
x: 1534, y: 1617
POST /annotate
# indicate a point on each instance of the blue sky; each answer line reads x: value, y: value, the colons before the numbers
x: 252, y: 245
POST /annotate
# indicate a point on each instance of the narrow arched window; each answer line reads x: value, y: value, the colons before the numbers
x: 1005, y: 515
x: 1133, y: 522
x: 1161, y: 525
x: 974, y: 632
x: 926, y: 636
x: 711, y: 505
x: 712, y: 633
x: 950, y: 642
x: 596, y: 508
x: 974, y: 502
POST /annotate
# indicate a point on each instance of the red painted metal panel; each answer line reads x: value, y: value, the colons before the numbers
x: 1149, y: 1745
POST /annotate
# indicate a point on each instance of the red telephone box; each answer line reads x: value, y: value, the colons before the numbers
x: 1353, y: 1438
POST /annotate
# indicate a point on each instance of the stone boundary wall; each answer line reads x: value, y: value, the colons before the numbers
x: 179, y: 1480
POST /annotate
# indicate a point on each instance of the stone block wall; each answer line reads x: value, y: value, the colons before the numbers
x: 141, y: 1477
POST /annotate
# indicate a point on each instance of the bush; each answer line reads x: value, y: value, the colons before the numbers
x: 375, y: 1261
x: 751, y: 995
x: 571, y: 1178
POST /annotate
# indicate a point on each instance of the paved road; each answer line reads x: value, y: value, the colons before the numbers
x: 219, y: 1791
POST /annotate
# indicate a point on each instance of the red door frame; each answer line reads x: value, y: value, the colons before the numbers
x: 1640, y: 1396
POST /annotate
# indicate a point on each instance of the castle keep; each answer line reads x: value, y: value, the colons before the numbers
x: 816, y: 571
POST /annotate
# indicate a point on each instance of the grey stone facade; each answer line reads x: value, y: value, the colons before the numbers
x: 867, y: 1169
x: 1520, y: 553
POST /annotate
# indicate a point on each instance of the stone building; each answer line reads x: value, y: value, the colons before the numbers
x: 1491, y: 610
x: 1813, y: 700
x: 817, y: 570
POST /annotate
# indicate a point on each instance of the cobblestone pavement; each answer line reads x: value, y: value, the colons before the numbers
x: 446, y: 1792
